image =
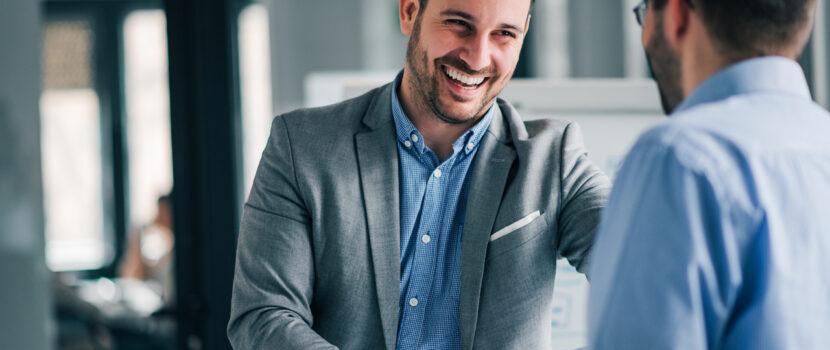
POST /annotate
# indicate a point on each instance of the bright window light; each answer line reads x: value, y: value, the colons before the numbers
x: 71, y: 150
x: 148, y: 112
x: 71, y: 141
x: 255, y: 86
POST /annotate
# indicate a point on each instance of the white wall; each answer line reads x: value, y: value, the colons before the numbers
x: 24, y: 280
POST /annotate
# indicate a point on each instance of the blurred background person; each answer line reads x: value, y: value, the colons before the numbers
x: 149, y: 254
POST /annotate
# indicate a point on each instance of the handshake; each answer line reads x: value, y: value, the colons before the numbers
x: 428, y: 214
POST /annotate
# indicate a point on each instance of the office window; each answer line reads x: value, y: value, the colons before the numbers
x: 255, y: 87
x: 147, y: 105
x: 71, y: 144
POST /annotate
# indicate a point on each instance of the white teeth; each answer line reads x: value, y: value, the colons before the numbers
x: 466, y: 79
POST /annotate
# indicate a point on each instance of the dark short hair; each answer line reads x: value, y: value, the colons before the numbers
x: 754, y: 27
x: 423, y: 4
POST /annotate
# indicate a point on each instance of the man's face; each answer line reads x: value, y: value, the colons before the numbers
x: 462, y: 53
x: 663, y: 60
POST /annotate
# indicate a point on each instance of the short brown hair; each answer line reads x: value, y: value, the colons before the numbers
x: 752, y: 28
x: 423, y: 4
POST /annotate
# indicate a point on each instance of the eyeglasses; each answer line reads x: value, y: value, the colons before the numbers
x: 641, y: 10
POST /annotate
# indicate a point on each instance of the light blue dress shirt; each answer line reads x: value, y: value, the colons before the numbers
x: 717, y: 234
x: 433, y: 200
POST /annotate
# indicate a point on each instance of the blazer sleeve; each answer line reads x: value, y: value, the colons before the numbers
x: 274, y: 273
x: 584, y: 193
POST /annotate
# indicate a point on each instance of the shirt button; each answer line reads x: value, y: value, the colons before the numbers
x: 414, y: 138
x: 413, y: 302
x: 425, y: 238
x: 470, y: 146
x: 437, y: 173
x: 407, y: 144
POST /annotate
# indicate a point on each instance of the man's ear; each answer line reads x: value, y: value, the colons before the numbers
x: 677, y: 15
x: 408, y: 10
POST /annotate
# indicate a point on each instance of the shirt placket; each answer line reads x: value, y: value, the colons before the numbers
x: 426, y: 250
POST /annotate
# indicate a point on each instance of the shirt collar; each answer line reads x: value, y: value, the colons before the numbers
x: 763, y: 74
x: 409, y: 136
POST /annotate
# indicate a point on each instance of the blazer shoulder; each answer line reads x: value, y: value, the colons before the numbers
x: 548, y: 128
x: 533, y: 131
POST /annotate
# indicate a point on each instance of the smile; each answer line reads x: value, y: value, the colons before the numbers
x: 465, y: 81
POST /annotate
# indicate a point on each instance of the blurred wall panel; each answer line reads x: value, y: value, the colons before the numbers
x: 385, y: 45
x: 635, y: 57
x: 549, y: 34
x: 596, y: 39
x: 312, y: 35
x: 24, y: 280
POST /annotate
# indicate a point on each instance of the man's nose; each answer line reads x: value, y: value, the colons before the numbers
x: 477, y: 52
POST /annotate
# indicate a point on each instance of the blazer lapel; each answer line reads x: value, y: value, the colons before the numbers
x: 378, y: 162
x: 489, y: 176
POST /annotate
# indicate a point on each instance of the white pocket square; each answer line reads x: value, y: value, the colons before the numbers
x: 514, y: 226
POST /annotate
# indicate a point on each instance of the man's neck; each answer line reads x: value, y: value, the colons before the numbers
x: 702, y: 60
x: 697, y: 70
x: 438, y: 135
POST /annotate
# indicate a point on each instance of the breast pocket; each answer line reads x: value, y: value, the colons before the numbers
x: 504, y: 241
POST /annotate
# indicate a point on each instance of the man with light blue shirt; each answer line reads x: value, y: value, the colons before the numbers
x: 717, y: 233
x: 425, y: 214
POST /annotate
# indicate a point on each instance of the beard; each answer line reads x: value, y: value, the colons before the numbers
x: 665, y: 66
x: 426, y: 85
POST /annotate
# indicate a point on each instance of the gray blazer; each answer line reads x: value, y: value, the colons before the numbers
x: 318, y: 257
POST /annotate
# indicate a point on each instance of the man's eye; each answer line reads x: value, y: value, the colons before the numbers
x: 506, y: 33
x: 458, y: 22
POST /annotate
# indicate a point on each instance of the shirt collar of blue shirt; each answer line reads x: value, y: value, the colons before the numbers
x: 780, y: 75
x: 405, y: 130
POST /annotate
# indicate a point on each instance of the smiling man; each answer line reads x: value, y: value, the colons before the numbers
x: 424, y: 214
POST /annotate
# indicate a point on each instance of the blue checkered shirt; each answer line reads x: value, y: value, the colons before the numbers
x: 433, y: 202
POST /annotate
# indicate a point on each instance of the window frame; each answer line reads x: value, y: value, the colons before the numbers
x: 106, y: 19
